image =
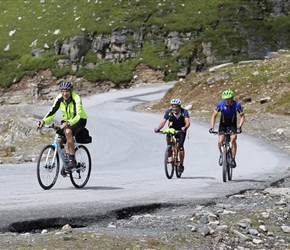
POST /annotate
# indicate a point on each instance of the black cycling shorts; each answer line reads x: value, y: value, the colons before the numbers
x: 224, y: 128
x: 181, y: 137
x: 76, y: 128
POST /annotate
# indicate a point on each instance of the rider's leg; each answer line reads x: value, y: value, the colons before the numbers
x: 70, y: 141
x: 220, y: 142
x: 181, y: 148
x: 234, y: 145
x: 181, y: 155
x: 70, y: 132
x: 60, y: 142
x: 71, y: 148
x: 167, y: 139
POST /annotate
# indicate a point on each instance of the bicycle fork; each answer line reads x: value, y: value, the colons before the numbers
x: 228, y: 153
x: 50, y: 163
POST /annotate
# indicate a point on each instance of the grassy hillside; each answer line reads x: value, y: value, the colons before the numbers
x: 261, y: 86
x: 30, y: 24
x: 35, y: 24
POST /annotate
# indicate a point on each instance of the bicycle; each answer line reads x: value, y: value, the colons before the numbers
x: 48, y: 163
x: 171, y: 157
x: 227, y: 170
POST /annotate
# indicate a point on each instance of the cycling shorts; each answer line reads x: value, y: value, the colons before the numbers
x: 76, y: 128
x: 181, y: 137
x: 223, y: 128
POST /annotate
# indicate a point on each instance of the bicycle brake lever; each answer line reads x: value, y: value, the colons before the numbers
x: 40, y: 131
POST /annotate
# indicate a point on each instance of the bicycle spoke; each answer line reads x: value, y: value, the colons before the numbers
x: 47, y: 167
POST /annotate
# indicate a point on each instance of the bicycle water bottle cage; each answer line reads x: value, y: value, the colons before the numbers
x: 169, y: 131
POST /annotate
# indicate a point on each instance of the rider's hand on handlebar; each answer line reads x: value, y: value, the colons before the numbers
x: 156, y: 130
x: 239, y: 130
x: 183, y: 129
x: 210, y: 130
x: 40, y: 124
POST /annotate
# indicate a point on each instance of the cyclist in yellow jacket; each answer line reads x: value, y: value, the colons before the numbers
x: 74, y: 118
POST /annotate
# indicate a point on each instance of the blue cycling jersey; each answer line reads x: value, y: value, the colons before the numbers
x: 229, y: 113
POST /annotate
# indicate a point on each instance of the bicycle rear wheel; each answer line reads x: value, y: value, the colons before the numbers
x: 169, y: 162
x: 80, y: 175
x: 47, y: 167
x: 225, y: 165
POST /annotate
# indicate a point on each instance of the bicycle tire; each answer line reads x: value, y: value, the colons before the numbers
x: 225, y: 165
x: 47, y: 167
x: 169, y: 166
x: 229, y: 167
x: 81, y: 174
x: 177, y: 172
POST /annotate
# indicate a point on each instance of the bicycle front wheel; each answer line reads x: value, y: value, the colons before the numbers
x: 225, y: 165
x: 229, y: 167
x: 177, y: 171
x: 47, y: 167
x: 169, y: 162
x: 81, y: 174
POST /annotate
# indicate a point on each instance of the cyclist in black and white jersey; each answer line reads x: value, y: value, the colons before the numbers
x: 178, y: 118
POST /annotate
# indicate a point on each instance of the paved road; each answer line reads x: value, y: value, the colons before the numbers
x: 128, y: 169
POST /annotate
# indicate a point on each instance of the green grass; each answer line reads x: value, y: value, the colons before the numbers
x: 25, y: 25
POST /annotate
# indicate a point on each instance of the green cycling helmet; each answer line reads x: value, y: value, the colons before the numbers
x: 227, y: 94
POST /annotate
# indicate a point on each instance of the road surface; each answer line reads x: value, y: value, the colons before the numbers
x: 128, y: 173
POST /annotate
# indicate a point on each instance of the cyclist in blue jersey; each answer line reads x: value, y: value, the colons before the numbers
x: 178, y: 118
x: 229, y: 109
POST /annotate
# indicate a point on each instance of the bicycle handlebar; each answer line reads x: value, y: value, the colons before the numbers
x: 225, y: 133
x: 168, y: 132
x: 56, y: 128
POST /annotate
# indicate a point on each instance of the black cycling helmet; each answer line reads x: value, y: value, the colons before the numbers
x: 66, y: 85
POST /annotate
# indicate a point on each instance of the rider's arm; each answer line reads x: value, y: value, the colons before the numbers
x: 242, y: 115
x: 186, y: 119
x: 161, y: 124
x: 52, y: 112
x: 187, y: 123
x: 213, y: 118
x: 242, y: 119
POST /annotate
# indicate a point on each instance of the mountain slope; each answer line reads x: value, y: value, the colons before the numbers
x: 170, y: 36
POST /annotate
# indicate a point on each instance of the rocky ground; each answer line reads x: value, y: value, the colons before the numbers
x: 254, y: 219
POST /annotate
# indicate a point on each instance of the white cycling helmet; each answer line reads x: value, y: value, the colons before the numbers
x: 175, y: 101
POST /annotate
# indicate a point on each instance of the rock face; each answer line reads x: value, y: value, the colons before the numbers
x: 253, y: 41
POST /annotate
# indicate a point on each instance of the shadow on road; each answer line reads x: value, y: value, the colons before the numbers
x: 199, y: 177
x: 91, y: 188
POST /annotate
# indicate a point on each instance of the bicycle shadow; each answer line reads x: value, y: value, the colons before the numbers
x: 103, y: 188
x: 92, y: 188
x: 248, y: 180
x: 198, y: 178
